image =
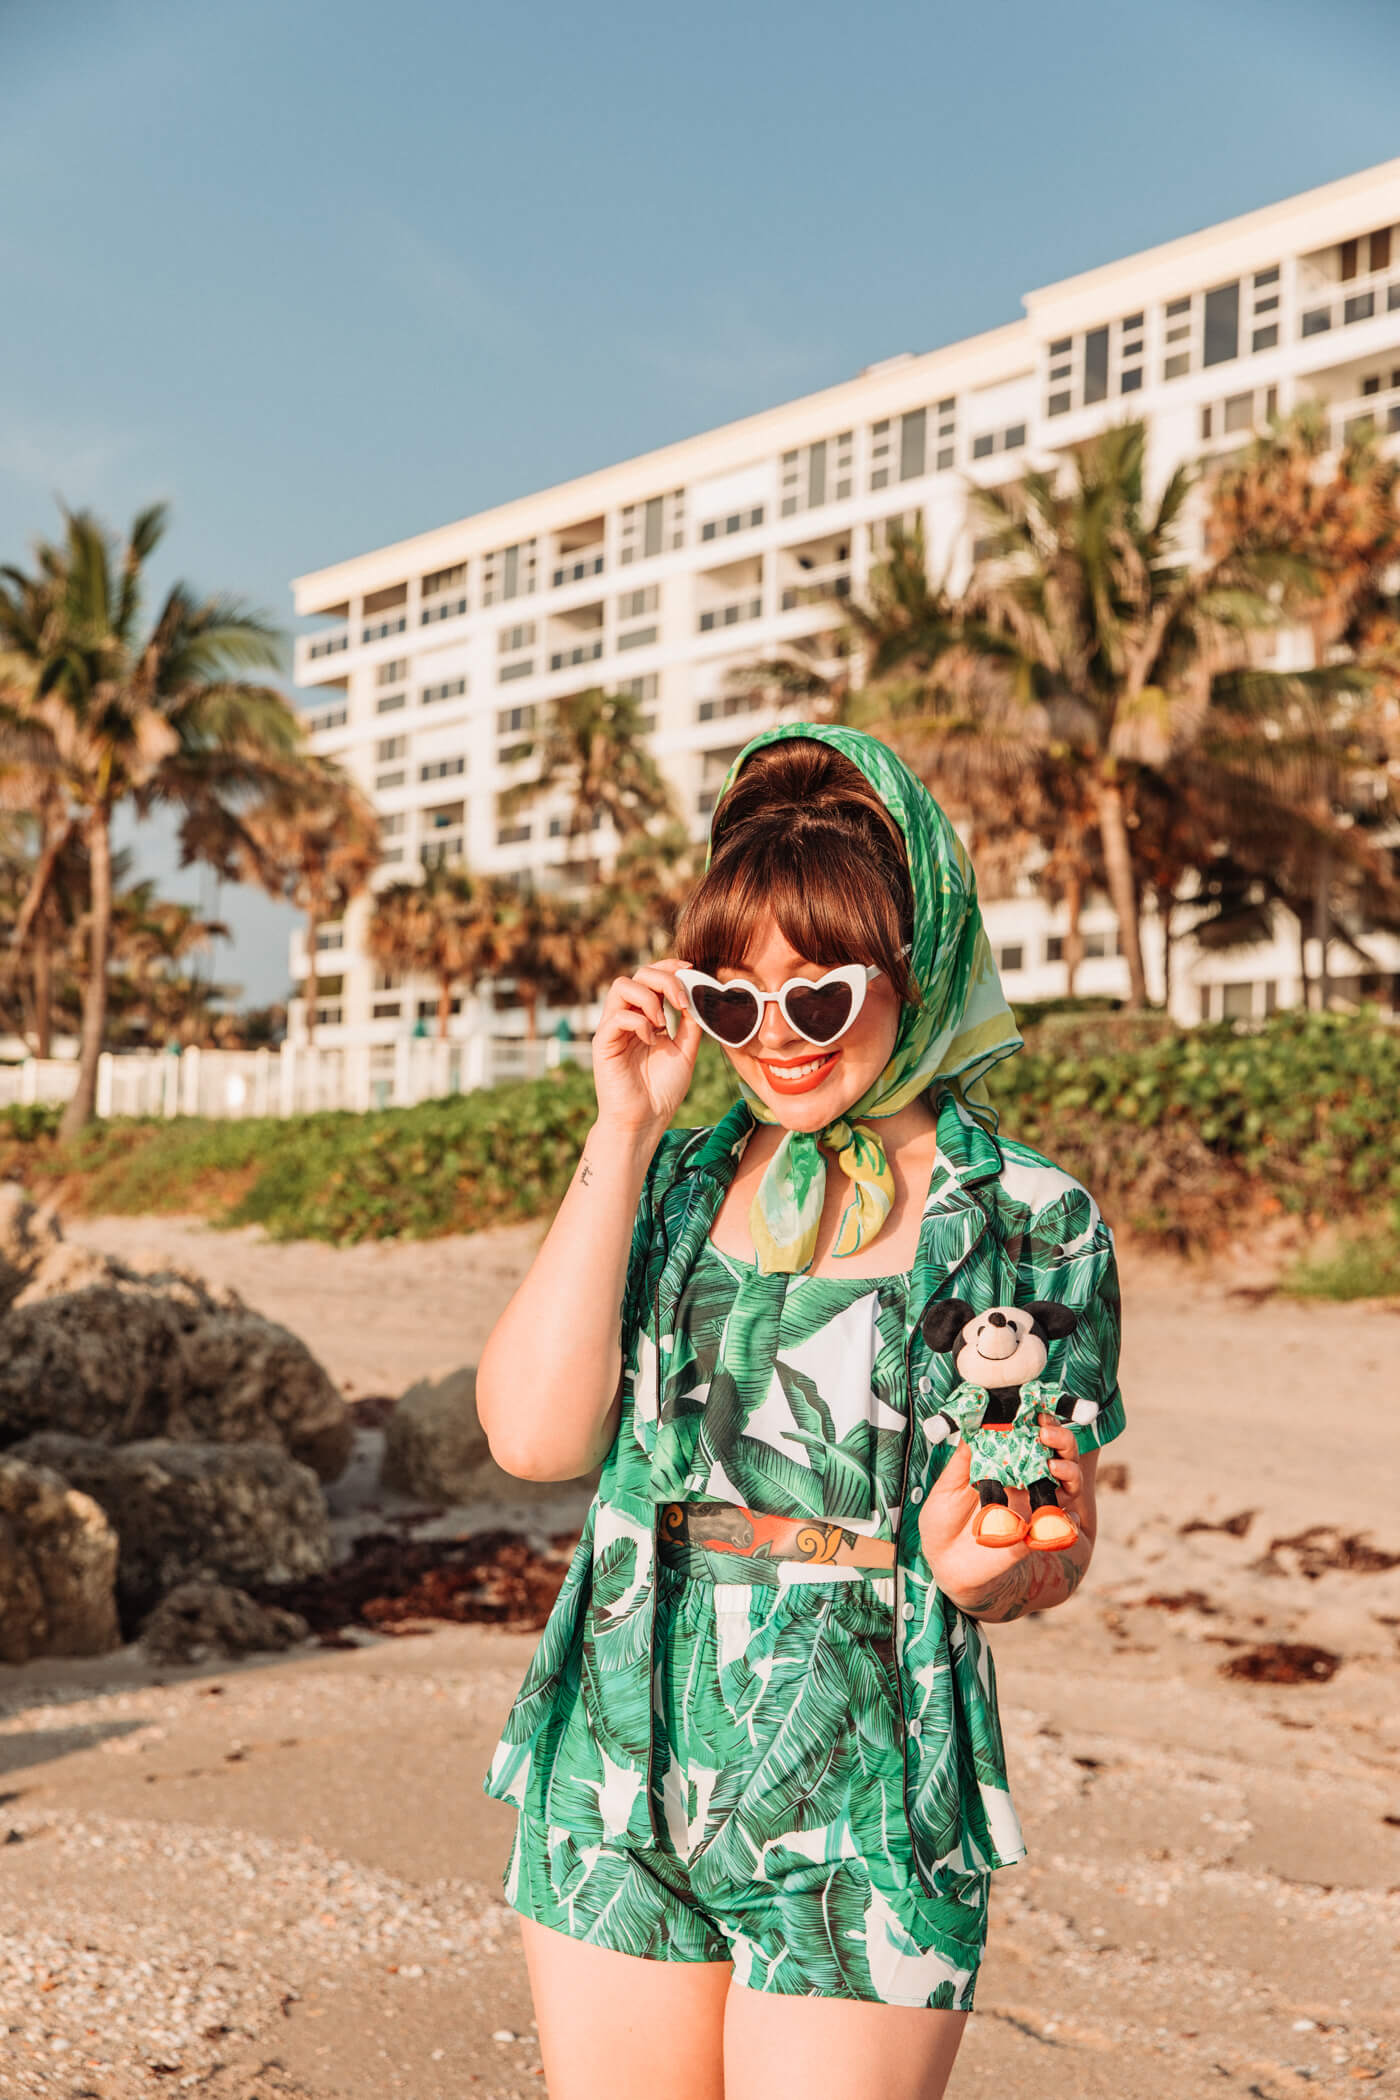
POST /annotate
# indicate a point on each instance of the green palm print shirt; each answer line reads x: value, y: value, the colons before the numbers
x: 1001, y: 1225
x: 785, y: 1393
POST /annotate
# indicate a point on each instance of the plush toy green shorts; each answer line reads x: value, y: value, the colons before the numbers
x: 780, y: 1789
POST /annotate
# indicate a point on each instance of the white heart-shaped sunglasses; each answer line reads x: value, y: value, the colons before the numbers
x: 819, y: 1009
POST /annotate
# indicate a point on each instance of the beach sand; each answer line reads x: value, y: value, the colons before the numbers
x: 281, y: 1877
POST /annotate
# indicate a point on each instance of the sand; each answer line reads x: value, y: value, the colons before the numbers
x: 282, y: 1878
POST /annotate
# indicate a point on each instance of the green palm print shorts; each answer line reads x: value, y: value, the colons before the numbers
x: 779, y: 1783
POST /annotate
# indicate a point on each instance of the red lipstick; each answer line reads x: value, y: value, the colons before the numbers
x: 773, y: 1073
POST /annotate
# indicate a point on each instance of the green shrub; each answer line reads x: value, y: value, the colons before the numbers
x: 1182, y: 1135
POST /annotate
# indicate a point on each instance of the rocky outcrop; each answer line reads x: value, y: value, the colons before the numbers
x: 197, y: 1621
x: 215, y: 1512
x: 434, y: 1446
x: 110, y: 1353
x: 58, y: 1563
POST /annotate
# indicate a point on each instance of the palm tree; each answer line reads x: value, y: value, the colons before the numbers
x: 151, y: 937
x: 594, y: 746
x: 553, y: 948
x: 312, y: 839
x: 446, y: 926
x: 1106, y: 627
x: 125, y: 716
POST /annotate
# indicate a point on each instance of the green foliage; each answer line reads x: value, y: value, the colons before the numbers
x: 24, y: 1121
x: 1362, y: 1265
x: 1180, y: 1134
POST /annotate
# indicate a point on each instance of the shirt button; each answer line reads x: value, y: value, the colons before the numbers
x: 916, y: 1493
x: 925, y: 1385
x: 907, y: 1610
x: 916, y: 1729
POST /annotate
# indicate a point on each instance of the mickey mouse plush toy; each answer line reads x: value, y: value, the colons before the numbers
x: 999, y: 1358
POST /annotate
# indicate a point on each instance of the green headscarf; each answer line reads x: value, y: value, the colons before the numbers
x: 962, y: 1028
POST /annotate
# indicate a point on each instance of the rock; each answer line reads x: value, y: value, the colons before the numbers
x: 27, y: 1235
x: 197, y: 1620
x: 183, y: 1510
x: 435, y: 1447
x: 112, y: 1353
x: 58, y: 1565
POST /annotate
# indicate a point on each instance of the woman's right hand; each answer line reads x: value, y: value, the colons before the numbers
x: 640, y: 1071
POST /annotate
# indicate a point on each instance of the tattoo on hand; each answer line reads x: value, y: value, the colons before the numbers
x: 1036, y: 1583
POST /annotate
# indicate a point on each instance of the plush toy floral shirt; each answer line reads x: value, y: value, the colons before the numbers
x: 1001, y: 1225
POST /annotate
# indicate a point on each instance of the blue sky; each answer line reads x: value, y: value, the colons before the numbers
x: 323, y: 273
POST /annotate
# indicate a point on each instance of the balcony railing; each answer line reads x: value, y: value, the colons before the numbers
x: 1343, y: 305
x: 575, y: 568
x: 1376, y: 414
x: 330, y: 643
x: 449, y: 608
x: 439, y: 850
x: 586, y: 653
x: 731, y: 615
x: 820, y: 591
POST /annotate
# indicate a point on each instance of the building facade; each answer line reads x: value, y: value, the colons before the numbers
x: 438, y: 655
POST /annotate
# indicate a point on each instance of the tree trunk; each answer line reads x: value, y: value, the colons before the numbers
x: 1074, y: 937
x: 42, y: 967
x: 1322, y: 929
x: 99, y: 844
x: 444, y: 1013
x: 530, y: 1000
x: 1304, y: 980
x: 1165, y: 902
x: 56, y: 837
x: 309, y: 994
x: 1118, y: 865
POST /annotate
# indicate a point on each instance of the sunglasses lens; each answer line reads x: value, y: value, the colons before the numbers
x: 729, y: 1011
x: 820, y: 1011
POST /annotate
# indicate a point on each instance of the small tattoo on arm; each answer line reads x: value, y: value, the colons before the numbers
x: 585, y: 1170
x: 1036, y: 1583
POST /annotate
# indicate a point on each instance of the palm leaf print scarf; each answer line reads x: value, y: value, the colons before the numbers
x: 963, y: 1027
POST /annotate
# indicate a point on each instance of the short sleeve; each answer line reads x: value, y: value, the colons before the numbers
x: 1076, y: 1266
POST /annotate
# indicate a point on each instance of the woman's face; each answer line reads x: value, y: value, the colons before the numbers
x: 805, y: 1087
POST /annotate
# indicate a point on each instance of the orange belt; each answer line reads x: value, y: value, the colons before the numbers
x: 722, y: 1527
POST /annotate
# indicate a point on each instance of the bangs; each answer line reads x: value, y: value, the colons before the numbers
x: 835, y: 896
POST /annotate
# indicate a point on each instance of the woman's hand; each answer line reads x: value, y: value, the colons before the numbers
x: 640, y: 1071
x: 1005, y: 1582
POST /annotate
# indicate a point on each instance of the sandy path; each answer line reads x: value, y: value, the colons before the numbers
x: 1211, y: 1906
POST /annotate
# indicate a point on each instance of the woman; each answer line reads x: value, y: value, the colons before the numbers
x: 756, y: 1755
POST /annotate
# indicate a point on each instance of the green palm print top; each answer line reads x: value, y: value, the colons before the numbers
x: 785, y: 1393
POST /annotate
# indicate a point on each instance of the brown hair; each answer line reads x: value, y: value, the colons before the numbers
x: 802, y: 835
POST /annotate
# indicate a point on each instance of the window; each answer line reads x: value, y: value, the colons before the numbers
x: 385, y: 1010
x: 731, y: 615
x: 991, y: 441
x: 390, y: 703
x: 654, y: 527
x: 641, y: 688
x: 1265, y: 338
x: 1011, y: 957
x: 329, y: 938
x: 634, y: 605
x: 726, y: 704
x: 1222, y: 329
x: 453, y: 579
x: 880, y: 454
x: 1360, y: 308
x: 637, y: 638
x: 912, y: 442
x: 581, y: 653
x: 392, y: 826
x: 737, y: 521
x: 982, y: 447
x: 393, y: 672
x: 509, y: 573
x: 1380, y: 249
x: 817, y: 474
x: 384, y: 781
x: 379, y: 630
x: 1239, y: 412
x: 576, y: 566
x: 449, y: 689
x: 1095, y: 366
x: 513, y: 721
x: 509, y: 672
x: 390, y: 747
x: 1318, y: 322
x: 1055, y: 947
x: 1098, y: 945
x: 333, y: 718
x: 442, y: 769
x: 511, y: 638
x: 512, y: 834
x: 1236, y: 1002
x: 447, y: 588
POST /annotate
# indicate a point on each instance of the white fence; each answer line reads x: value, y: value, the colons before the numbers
x: 291, y: 1081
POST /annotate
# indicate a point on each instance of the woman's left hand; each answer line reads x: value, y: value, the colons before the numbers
x: 974, y: 1576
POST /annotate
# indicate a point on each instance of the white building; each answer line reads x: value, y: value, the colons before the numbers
x: 666, y: 572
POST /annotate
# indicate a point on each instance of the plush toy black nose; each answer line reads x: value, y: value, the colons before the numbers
x: 996, y: 1319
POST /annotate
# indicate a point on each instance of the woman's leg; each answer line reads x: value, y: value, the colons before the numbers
x: 617, y: 2027
x: 838, y: 2046
x: 861, y: 2050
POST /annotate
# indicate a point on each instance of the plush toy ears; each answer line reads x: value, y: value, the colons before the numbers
x: 1054, y: 1321
x: 942, y: 1324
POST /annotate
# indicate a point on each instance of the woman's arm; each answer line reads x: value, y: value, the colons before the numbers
x: 548, y: 1387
